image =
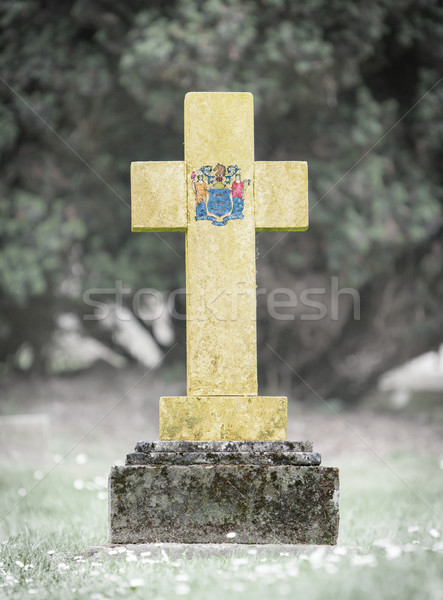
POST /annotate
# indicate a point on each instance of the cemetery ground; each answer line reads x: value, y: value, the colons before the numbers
x: 53, y: 503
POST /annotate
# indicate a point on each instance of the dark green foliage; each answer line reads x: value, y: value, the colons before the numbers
x: 88, y: 87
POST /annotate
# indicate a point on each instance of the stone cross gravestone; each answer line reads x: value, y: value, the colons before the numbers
x: 222, y: 463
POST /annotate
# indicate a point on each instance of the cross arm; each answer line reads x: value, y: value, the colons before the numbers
x: 281, y: 196
x: 158, y: 196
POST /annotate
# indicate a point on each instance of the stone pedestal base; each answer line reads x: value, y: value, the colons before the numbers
x: 223, y: 418
x: 199, y: 492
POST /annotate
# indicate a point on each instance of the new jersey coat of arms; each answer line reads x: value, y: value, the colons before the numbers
x: 219, y: 193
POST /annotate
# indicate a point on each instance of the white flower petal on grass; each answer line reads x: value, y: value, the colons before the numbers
x: 137, y: 582
x: 112, y: 551
x: 164, y: 555
x: 102, y: 495
x: 434, y: 533
x: 62, y: 566
x: 231, y: 535
x: 79, y: 484
x: 238, y: 561
x: 263, y: 569
x: 292, y: 569
x: 38, y: 475
x: 81, y: 459
x: 382, y: 543
x: 149, y: 561
x: 182, y: 589
x: 270, y: 571
x: 145, y: 554
x: 332, y: 558
x: 120, y: 550
x: 340, y: 550
x: 10, y: 579
x: 365, y: 560
x: 317, y: 557
x: 21, y: 492
x: 131, y: 558
x: 100, y: 481
x: 392, y: 552
x: 331, y: 569
x: 50, y: 552
x: 252, y: 551
x: 413, y: 528
x: 182, y: 577
x: 19, y: 564
x: 31, y: 591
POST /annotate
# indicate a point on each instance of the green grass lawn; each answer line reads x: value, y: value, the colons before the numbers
x: 389, y: 543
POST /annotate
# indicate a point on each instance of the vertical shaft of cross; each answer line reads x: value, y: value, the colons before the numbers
x: 220, y: 260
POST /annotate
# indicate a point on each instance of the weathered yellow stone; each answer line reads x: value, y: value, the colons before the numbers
x: 158, y: 196
x: 281, y: 196
x: 222, y: 401
x: 223, y: 418
x: 220, y: 261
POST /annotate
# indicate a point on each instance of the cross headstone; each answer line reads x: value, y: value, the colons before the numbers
x: 222, y: 470
x: 220, y: 197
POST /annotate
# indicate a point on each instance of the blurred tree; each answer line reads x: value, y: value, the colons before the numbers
x: 88, y: 87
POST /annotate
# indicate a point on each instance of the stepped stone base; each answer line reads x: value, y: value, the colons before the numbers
x: 199, y: 492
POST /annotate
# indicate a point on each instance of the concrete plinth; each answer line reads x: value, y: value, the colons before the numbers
x: 199, y: 493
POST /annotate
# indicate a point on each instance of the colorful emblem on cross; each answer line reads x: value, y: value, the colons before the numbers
x: 219, y: 193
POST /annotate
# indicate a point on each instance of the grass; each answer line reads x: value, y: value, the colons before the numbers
x: 385, y: 547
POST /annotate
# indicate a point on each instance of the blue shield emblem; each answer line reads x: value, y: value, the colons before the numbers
x: 219, y: 193
x: 219, y: 202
